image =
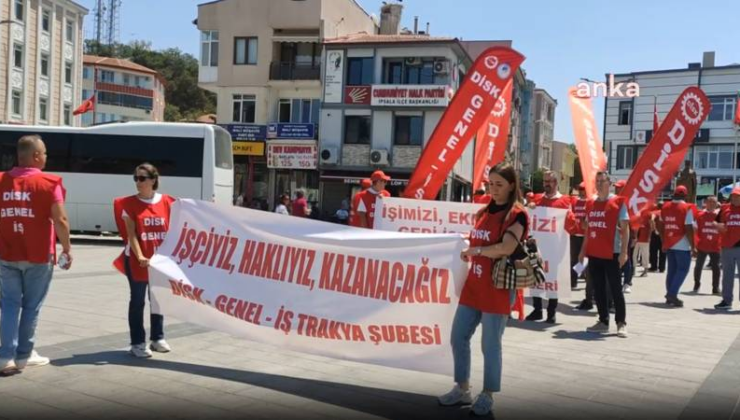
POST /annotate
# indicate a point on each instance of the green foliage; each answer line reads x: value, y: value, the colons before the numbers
x: 538, y: 185
x: 184, y: 99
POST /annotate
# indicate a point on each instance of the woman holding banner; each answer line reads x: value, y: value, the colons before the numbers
x: 145, y: 217
x: 498, y: 229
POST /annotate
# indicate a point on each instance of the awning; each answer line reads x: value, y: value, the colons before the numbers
x: 288, y: 38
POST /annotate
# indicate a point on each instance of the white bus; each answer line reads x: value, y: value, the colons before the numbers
x: 97, y: 163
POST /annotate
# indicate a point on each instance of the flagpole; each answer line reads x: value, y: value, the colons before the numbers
x: 95, y: 91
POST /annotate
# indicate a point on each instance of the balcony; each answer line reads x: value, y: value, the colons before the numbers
x: 289, y: 70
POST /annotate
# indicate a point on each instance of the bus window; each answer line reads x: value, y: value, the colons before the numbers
x: 223, y: 152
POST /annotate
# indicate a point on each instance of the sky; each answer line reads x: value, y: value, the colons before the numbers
x: 563, y: 40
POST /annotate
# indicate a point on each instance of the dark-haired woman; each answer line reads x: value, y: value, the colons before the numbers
x: 498, y: 229
x: 146, y: 216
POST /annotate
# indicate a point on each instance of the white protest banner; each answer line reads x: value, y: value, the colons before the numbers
x: 547, y: 225
x: 369, y: 296
x: 424, y: 216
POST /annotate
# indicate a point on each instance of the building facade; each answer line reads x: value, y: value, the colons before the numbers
x: 263, y: 60
x: 41, y: 65
x: 544, y: 125
x: 526, y: 130
x: 383, y: 96
x: 124, y: 91
x: 563, y: 163
x: 714, y: 153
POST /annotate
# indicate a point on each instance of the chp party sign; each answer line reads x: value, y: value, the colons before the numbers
x: 363, y: 295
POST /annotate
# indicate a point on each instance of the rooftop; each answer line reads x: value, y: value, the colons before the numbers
x: 365, y: 38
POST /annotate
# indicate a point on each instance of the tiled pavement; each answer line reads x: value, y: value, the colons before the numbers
x: 677, y: 363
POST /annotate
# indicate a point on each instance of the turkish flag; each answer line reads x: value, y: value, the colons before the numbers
x: 491, y: 140
x: 468, y: 110
x: 737, y: 110
x: 86, y: 106
x: 663, y: 155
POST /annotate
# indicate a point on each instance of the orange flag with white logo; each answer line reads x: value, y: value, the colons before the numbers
x: 590, y: 151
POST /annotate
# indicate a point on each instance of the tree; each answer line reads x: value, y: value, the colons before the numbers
x: 184, y: 99
x: 577, y: 175
x: 538, y: 185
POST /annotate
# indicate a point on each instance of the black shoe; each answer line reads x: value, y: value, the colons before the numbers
x: 534, y: 316
x: 696, y: 288
x: 723, y: 306
x: 551, y: 319
x: 586, y: 305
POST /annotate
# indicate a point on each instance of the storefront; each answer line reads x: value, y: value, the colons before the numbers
x: 337, y: 186
x: 292, y: 159
x: 251, y: 175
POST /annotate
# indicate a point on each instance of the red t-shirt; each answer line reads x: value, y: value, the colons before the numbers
x: 299, y: 207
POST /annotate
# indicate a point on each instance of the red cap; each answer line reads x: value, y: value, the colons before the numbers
x: 620, y: 184
x: 366, y: 183
x: 681, y: 190
x: 379, y: 176
x: 735, y: 191
x: 582, y: 186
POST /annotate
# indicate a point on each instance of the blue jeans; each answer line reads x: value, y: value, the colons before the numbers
x: 24, y: 288
x: 678, y: 269
x: 136, y: 305
x: 463, y: 327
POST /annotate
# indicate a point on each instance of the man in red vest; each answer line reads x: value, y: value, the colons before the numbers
x: 576, y: 245
x: 31, y: 209
x: 354, y: 219
x: 678, y: 242
x: 728, y: 223
x: 709, y: 244
x: 642, y: 245
x: 366, y: 206
x: 605, y: 245
x: 554, y: 199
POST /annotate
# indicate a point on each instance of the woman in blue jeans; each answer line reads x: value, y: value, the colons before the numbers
x: 498, y: 229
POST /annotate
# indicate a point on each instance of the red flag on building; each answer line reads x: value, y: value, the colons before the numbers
x: 468, y: 110
x: 491, y: 140
x: 737, y: 110
x: 86, y: 106
x: 656, y: 121
x: 663, y: 155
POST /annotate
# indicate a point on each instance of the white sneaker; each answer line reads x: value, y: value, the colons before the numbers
x: 141, y: 351
x: 8, y: 367
x: 483, y: 404
x: 622, y: 330
x: 160, y: 346
x: 627, y: 288
x: 456, y: 396
x: 34, y: 360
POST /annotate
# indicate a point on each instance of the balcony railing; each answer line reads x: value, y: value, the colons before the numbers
x: 289, y: 70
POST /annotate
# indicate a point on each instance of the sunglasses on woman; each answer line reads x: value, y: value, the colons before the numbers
x: 139, y: 178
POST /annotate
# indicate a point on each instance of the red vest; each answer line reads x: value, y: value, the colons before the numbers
x: 479, y: 292
x: 602, y: 218
x: 643, y: 235
x: 26, y: 228
x: 354, y: 218
x: 673, y: 214
x: 574, y: 225
x: 730, y: 216
x: 562, y: 202
x: 709, y: 238
x: 152, y: 222
x: 368, y: 198
x: 482, y: 199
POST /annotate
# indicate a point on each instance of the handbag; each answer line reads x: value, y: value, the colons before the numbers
x: 527, y: 272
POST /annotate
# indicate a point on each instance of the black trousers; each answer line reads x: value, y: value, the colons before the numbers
x: 605, y: 274
x: 657, y: 256
x: 576, y: 243
x: 701, y: 258
x: 552, y: 305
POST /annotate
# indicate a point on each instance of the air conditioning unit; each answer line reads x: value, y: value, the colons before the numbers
x: 441, y: 67
x: 379, y: 157
x: 330, y: 155
x: 413, y: 61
